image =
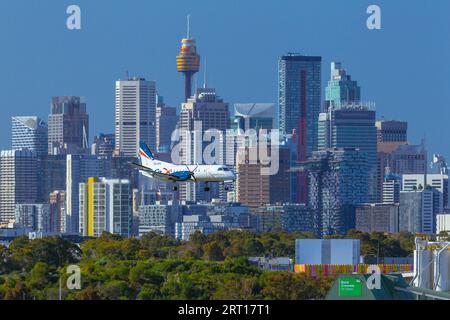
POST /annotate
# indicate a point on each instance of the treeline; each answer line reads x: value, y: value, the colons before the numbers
x: 160, y: 267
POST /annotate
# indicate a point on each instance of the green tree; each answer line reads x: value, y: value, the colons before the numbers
x: 213, y: 251
x: 38, y: 277
x: 149, y: 292
x: 143, y: 273
x: 238, y: 288
x: 293, y: 286
x: 116, y: 290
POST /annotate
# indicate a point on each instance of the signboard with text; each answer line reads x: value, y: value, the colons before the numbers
x: 350, y: 287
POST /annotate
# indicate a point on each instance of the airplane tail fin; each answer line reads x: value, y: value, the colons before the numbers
x: 145, y: 154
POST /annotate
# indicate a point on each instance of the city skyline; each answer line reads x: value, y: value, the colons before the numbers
x: 235, y: 150
x: 256, y: 81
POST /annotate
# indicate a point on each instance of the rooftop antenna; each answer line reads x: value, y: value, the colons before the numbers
x: 188, y: 26
x: 205, y: 79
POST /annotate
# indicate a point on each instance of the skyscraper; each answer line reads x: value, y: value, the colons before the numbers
x: 166, y: 123
x: 300, y: 96
x: 341, y: 89
x: 78, y: 169
x: 390, y: 135
x: 105, y: 206
x: 188, y: 62
x: 18, y: 181
x: 299, y: 106
x: 352, y: 126
x: 338, y: 182
x: 29, y: 133
x: 254, y: 189
x: 68, y: 126
x: 249, y: 119
x: 135, y: 115
x: 52, y: 175
x: 205, y: 111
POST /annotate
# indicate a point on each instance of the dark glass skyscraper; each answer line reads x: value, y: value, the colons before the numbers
x: 68, y: 126
x: 299, y: 105
x: 352, y: 127
x: 300, y: 97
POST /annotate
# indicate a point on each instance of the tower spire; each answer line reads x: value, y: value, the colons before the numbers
x: 188, y: 26
x: 205, y: 75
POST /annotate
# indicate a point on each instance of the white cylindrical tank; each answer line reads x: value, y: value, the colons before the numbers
x: 442, y: 270
x: 423, y: 269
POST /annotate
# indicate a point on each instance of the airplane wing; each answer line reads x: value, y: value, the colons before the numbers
x: 177, y: 176
x: 153, y: 173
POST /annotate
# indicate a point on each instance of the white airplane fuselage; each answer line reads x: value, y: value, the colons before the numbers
x: 203, y: 173
x: 154, y: 168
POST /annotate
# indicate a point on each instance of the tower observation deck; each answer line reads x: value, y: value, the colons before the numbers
x: 188, y: 62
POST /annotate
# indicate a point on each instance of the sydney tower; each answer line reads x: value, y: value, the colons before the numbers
x: 188, y: 62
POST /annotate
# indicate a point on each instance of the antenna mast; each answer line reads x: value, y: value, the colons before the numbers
x: 188, y: 26
x: 205, y: 84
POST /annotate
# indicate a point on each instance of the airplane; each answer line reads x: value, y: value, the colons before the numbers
x: 164, y: 171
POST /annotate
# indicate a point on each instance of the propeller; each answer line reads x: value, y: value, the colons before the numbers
x: 192, y: 172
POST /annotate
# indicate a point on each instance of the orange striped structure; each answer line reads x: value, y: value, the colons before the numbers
x: 332, y: 270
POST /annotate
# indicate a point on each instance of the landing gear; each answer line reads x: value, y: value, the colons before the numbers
x: 227, y: 185
x: 175, y: 188
x: 206, y: 187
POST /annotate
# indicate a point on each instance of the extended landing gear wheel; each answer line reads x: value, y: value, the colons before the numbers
x: 207, y: 189
x: 175, y: 188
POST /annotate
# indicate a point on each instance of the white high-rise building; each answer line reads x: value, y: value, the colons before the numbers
x: 105, y: 205
x: 135, y: 115
x: 205, y: 114
x: 436, y: 181
x: 391, y: 191
x: 18, y: 181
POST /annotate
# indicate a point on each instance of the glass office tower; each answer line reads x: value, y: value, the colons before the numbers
x: 29, y: 133
x: 341, y: 89
x: 299, y: 101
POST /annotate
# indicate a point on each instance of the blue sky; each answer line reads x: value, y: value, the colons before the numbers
x: 404, y: 67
